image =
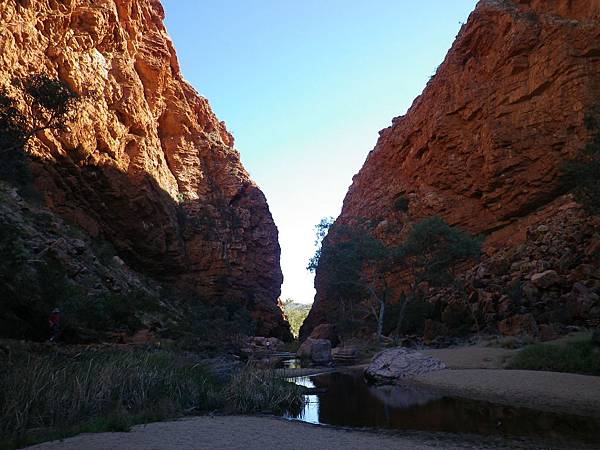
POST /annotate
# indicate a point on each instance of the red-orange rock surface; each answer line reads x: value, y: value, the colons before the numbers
x: 146, y: 164
x: 483, y: 145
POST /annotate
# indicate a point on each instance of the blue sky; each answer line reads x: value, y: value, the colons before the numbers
x: 305, y: 86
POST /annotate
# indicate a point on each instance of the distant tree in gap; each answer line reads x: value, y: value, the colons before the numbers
x: 296, y: 314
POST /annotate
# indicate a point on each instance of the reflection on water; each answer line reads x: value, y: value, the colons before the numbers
x: 348, y: 401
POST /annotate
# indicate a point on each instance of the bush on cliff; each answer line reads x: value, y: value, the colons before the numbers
x: 582, y: 174
x: 50, y: 106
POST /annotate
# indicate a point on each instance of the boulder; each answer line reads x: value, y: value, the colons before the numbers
x: 316, y: 350
x: 395, y: 364
x: 545, y: 279
x: 325, y: 331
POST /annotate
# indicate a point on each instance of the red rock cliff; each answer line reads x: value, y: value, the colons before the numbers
x: 482, y: 146
x: 146, y: 164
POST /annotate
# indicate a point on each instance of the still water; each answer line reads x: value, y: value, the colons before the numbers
x: 345, y: 399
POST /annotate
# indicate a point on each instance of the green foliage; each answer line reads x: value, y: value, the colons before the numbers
x: 415, y: 313
x: 401, y: 204
x: 13, y: 137
x: 296, y: 314
x: 433, y: 250
x: 107, y: 312
x: 114, y: 389
x: 51, y: 103
x: 321, y: 230
x: 573, y: 357
x: 358, y: 265
x: 215, y: 322
x: 582, y: 174
x: 32, y: 285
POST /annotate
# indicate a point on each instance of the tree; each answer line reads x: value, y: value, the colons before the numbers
x: 50, y: 106
x: 582, y: 174
x: 296, y: 314
x: 431, y: 253
x: 361, y: 264
x: 358, y: 263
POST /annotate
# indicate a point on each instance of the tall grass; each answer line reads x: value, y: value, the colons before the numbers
x: 256, y: 390
x: 43, y: 394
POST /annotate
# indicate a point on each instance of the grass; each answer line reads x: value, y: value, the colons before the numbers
x: 251, y: 391
x: 573, y: 357
x: 53, y: 396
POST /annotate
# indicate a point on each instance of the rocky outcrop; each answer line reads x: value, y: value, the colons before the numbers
x: 317, y: 351
x: 483, y: 145
x: 146, y: 164
x: 395, y: 364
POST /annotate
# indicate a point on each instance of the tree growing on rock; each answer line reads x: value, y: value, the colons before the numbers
x: 432, y: 253
x: 359, y: 264
x: 582, y: 174
x: 50, y: 106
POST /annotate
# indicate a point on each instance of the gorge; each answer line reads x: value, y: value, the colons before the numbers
x: 145, y: 166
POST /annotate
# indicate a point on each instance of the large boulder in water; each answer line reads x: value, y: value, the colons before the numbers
x: 316, y: 350
x: 392, y: 365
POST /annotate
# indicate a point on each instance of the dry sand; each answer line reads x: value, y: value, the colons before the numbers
x: 475, y: 372
x: 549, y: 391
x: 260, y: 433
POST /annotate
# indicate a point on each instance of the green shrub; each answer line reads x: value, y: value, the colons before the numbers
x: 416, y: 313
x: 108, y: 312
x: 401, y: 204
x: 581, y: 175
x: 573, y: 357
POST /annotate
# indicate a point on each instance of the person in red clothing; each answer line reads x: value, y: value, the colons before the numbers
x: 54, y: 322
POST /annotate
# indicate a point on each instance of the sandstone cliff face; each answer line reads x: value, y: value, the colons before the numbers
x: 146, y: 164
x: 482, y: 146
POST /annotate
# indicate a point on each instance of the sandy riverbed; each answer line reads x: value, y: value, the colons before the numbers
x: 476, y: 372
